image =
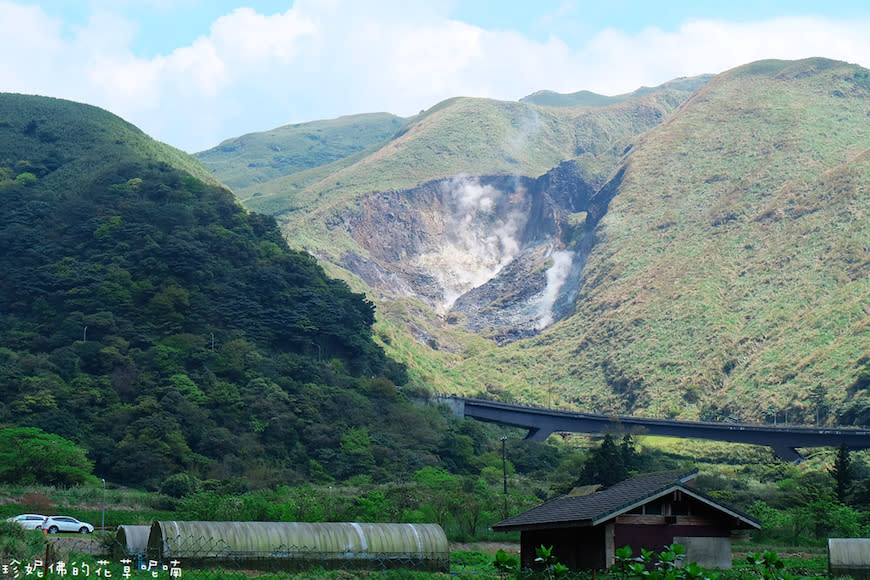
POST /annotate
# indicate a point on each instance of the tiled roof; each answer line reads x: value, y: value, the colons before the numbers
x: 591, y: 509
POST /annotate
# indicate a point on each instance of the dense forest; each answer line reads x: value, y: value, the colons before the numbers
x: 151, y: 320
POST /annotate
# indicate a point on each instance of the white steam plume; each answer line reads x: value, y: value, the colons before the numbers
x: 556, y: 276
x: 477, y: 243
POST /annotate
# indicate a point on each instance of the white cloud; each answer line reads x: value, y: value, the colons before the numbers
x: 246, y: 38
x: 30, y: 41
x: 710, y: 46
x: 321, y: 59
x: 192, y: 89
x: 201, y: 65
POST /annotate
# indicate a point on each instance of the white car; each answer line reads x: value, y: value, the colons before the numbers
x: 29, y: 521
x: 55, y: 524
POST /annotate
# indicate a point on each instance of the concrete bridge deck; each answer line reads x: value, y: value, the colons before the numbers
x: 784, y: 440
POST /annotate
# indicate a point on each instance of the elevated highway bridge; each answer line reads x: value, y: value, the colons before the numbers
x: 784, y: 440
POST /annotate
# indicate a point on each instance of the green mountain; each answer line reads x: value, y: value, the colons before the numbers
x: 590, y: 99
x: 731, y: 273
x: 153, y: 321
x: 260, y: 157
x: 700, y: 255
x: 100, y: 140
x: 459, y: 136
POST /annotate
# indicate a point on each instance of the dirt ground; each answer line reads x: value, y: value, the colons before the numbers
x: 486, y: 547
x: 80, y: 543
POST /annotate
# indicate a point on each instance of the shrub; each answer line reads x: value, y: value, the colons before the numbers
x: 16, y: 543
x: 178, y: 485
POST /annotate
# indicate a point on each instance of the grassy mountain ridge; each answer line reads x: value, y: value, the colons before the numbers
x: 590, y: 99
x: 464, y: 136
x: 439, y: 142
x: 728, y: 276
x: 259, y: 157
x: 731, y: 273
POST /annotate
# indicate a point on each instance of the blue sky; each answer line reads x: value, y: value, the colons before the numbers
x: 195, y: 72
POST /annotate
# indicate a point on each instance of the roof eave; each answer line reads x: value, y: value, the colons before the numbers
x: 541, y: 526
x: 749, y: 522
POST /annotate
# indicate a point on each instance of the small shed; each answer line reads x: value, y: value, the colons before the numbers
x: 849, y: 557
x: 648, y: 512
x: 300, y: 545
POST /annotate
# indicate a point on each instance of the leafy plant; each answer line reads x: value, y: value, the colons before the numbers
x: 505, y: 566
x: 16, y: 543
x: 768, y: 565
x: 665, y: 565
x: 552, y: 567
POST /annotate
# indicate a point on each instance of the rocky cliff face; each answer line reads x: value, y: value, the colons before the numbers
x: 498, y: 255
x: 446, y: 211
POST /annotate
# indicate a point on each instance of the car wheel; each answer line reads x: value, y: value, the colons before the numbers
x: 52, y: 530
x: 84, y: 530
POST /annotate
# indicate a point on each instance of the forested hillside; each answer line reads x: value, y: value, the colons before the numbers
x: 150, y: 319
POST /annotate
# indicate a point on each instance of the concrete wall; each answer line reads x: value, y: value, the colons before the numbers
x: 707, y: 552
x: 457, y: 405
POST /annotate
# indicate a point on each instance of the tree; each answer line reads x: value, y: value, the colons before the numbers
x: 356, y: 452
x: 31, y: 456
x: 842, y: 472
x: 25, y: 178
x: 628, y: 452
x: 605, y: 465
x: 818, y: 394
x: 178, y: 485
x: 440, y: 493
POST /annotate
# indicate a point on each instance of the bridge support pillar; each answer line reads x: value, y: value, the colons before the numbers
x: 538, y: 434
x: 457, y: 405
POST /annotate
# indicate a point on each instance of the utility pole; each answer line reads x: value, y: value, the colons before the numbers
x: 103, y: 521
x: 504, y: 471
